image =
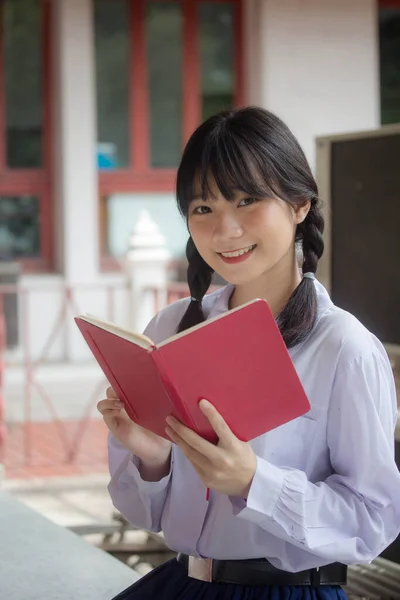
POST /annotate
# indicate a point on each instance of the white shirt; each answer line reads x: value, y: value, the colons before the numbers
x: 326, y: 486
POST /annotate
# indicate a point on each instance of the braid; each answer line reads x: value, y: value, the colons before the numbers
x: 298, y: 317
x: 310, y: 232
x: 199, y: 276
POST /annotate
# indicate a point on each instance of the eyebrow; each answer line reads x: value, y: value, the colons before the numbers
x: 235, y: 193
x: 198, y: 198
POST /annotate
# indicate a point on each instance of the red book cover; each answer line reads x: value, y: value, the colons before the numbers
x: 237, y: 361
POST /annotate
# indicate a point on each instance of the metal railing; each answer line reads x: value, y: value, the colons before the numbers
x: 379, y: 580
x: 29, y: 363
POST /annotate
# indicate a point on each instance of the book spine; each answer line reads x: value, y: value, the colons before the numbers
x: 166, y: 379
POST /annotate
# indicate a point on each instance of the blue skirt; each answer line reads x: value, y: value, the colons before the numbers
x: 171, y: 582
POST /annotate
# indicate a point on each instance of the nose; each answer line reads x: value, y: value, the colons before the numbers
x: 227, y: 227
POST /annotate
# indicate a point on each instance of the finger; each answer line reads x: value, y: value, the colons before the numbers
x: 109, y: 404
x: 111, y: 413
x: 196, y: 458
x: 192, y: 439
x: 217, y: 422
x: 110, y: 393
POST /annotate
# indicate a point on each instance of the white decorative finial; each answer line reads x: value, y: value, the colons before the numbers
x: 146, y: 243
x: 146, y: 233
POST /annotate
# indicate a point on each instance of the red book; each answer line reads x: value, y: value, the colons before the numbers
x: 238, y: 361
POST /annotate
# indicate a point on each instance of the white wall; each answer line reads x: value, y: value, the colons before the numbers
x: 319, y: 65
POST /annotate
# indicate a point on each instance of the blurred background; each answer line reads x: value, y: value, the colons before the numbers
x: 97, y: 99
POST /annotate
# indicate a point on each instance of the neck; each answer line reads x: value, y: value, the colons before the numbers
x: 276, y: 287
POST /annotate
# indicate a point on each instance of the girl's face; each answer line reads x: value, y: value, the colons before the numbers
x: 247, y: 238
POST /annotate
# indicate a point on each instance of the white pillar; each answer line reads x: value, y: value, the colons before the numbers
x: 146, y: 266
x: 75, y: 170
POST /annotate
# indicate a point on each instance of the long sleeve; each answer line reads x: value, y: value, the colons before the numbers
x: 141, y: 502
x: 355, y: 513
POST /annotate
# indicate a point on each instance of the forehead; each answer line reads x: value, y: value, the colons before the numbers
x: 207, y: 190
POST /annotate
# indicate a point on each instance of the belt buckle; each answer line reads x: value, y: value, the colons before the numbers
x: 200, y: 568
x: 315, y: 577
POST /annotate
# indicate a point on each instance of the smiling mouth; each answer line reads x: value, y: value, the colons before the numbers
x: 236, y: 253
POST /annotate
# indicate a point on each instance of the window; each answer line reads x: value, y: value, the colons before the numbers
x: 112, y: 76
x: 171, y: 64
x: 217, y: 54
x: 389, y: 40
x: 24, y: 131
x: 164, y: 50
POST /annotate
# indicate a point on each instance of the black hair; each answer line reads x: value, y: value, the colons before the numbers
x: 252, y: 150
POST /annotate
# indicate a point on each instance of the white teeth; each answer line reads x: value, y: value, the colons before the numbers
x: 237, y: 252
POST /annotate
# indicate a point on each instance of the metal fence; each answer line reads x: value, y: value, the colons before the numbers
x: 63, y: 438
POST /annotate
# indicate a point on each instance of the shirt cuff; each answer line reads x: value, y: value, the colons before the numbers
x: 150, y: 488
x: 264, y: 494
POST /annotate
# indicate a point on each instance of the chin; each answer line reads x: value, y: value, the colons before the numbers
x: 238, y: 278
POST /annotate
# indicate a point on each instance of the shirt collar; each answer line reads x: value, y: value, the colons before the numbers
x: 221, y: 304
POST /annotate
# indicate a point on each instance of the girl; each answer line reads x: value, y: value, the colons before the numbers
x: 289, y: 510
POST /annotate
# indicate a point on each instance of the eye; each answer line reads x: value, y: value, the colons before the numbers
x: 201, y: 210
x: 247, y: 201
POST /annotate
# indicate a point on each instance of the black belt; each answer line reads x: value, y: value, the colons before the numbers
x: 260, y: 572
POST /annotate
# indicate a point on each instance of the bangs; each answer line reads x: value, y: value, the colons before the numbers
x: 224, y: 157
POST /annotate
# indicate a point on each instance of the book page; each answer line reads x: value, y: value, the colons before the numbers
x: 206, y: 322
x: 136, y: 338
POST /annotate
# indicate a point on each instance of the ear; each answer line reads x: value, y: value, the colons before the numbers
x: 301, y: 211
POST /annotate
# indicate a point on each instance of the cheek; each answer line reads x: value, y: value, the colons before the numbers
x: 274, y: 223
x: 192, y: 227
x: 199, y: 232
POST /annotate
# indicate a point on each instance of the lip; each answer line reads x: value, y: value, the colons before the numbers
x: 237, y: 249
x: 236, y: 259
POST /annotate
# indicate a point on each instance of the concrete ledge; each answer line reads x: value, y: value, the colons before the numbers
x: 39, y: 559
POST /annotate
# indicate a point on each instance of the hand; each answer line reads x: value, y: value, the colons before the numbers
x: 229, y: 466
x: 153, y: 450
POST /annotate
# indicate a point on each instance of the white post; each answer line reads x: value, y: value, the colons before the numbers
x: 75, y: 170
x: 76, y: 174
x: 146, y: 267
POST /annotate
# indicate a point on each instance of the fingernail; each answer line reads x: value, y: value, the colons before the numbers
x: 118, y: 404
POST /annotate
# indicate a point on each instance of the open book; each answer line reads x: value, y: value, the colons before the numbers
x: 238, y: 361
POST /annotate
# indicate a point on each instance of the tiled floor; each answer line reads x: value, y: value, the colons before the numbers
x: 55, y: 449
x: 75, y: 500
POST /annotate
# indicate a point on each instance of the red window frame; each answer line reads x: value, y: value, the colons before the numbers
x: 35, y: 182
x: 140, y: 176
